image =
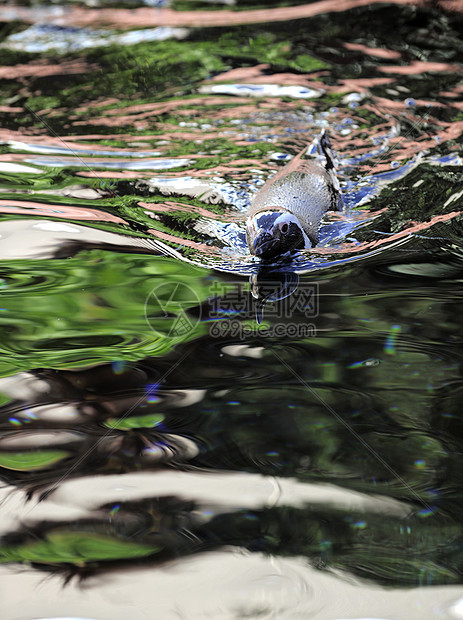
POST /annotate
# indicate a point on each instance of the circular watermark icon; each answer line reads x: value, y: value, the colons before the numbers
x: 167, y: 306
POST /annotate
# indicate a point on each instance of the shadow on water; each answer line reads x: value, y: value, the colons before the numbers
x: 163, y: 393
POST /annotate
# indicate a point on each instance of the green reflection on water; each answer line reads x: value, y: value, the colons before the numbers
x: 30, y: 461
x: 91, y: 309
x: 74, y: 548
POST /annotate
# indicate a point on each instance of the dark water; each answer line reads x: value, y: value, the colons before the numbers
x: 185, y: 432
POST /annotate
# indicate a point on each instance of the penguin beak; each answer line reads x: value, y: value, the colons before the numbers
x: 265, y: 245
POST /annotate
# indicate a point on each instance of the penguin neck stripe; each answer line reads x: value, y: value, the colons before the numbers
x: 271, y: 209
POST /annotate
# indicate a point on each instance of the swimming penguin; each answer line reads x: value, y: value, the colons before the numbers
x: 286, y: 213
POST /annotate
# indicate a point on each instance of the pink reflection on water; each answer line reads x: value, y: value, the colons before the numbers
x: 141, y: 118
x: 362, y: 85
x: 127, y: 115
x: 23, y: 207
x: 378, y: 52
x: 9, y: 110
x: 206, y: 250
x: 117, y: 174
x: 258, y: 75
x: 420, y: 66
x: 168, y: 207
x: 44, y: 68
x: 412, y: 228
x: 148, y: 17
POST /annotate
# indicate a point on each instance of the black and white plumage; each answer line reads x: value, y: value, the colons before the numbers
x: 286, y: 213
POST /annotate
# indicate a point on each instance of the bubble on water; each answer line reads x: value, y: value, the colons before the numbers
x: 44, y: 37
x: 389, y: 346
x: 57, y: 149
x: 262, y: 90
x: 359, y: 525
x: 153, y: 453
x: 29, y: 414
x: 371, y: 361
x: 395, y: 164
x: 281, y: 156
x: 146, y: 164
x: 151, y: 393
x: 114, y: 509
x: 118, y: 367
x: 410, y: 102
x: 353, y: 97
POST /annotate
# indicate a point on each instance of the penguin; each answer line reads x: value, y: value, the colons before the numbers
x: 285, y: 214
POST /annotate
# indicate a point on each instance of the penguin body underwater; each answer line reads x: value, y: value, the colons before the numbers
x: 286, y: 213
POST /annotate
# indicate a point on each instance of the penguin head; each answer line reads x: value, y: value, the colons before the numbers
x: 273, y: 232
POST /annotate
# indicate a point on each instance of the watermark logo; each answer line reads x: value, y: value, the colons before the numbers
x: 243, y: 331
x: 232, y: 310
x: 271, y: 301
x: 276, y: 303
x: 167, y: 309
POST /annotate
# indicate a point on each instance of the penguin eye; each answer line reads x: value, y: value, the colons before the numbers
x: 284, y: 228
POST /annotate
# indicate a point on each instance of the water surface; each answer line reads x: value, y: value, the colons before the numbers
x: 185, y: 432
